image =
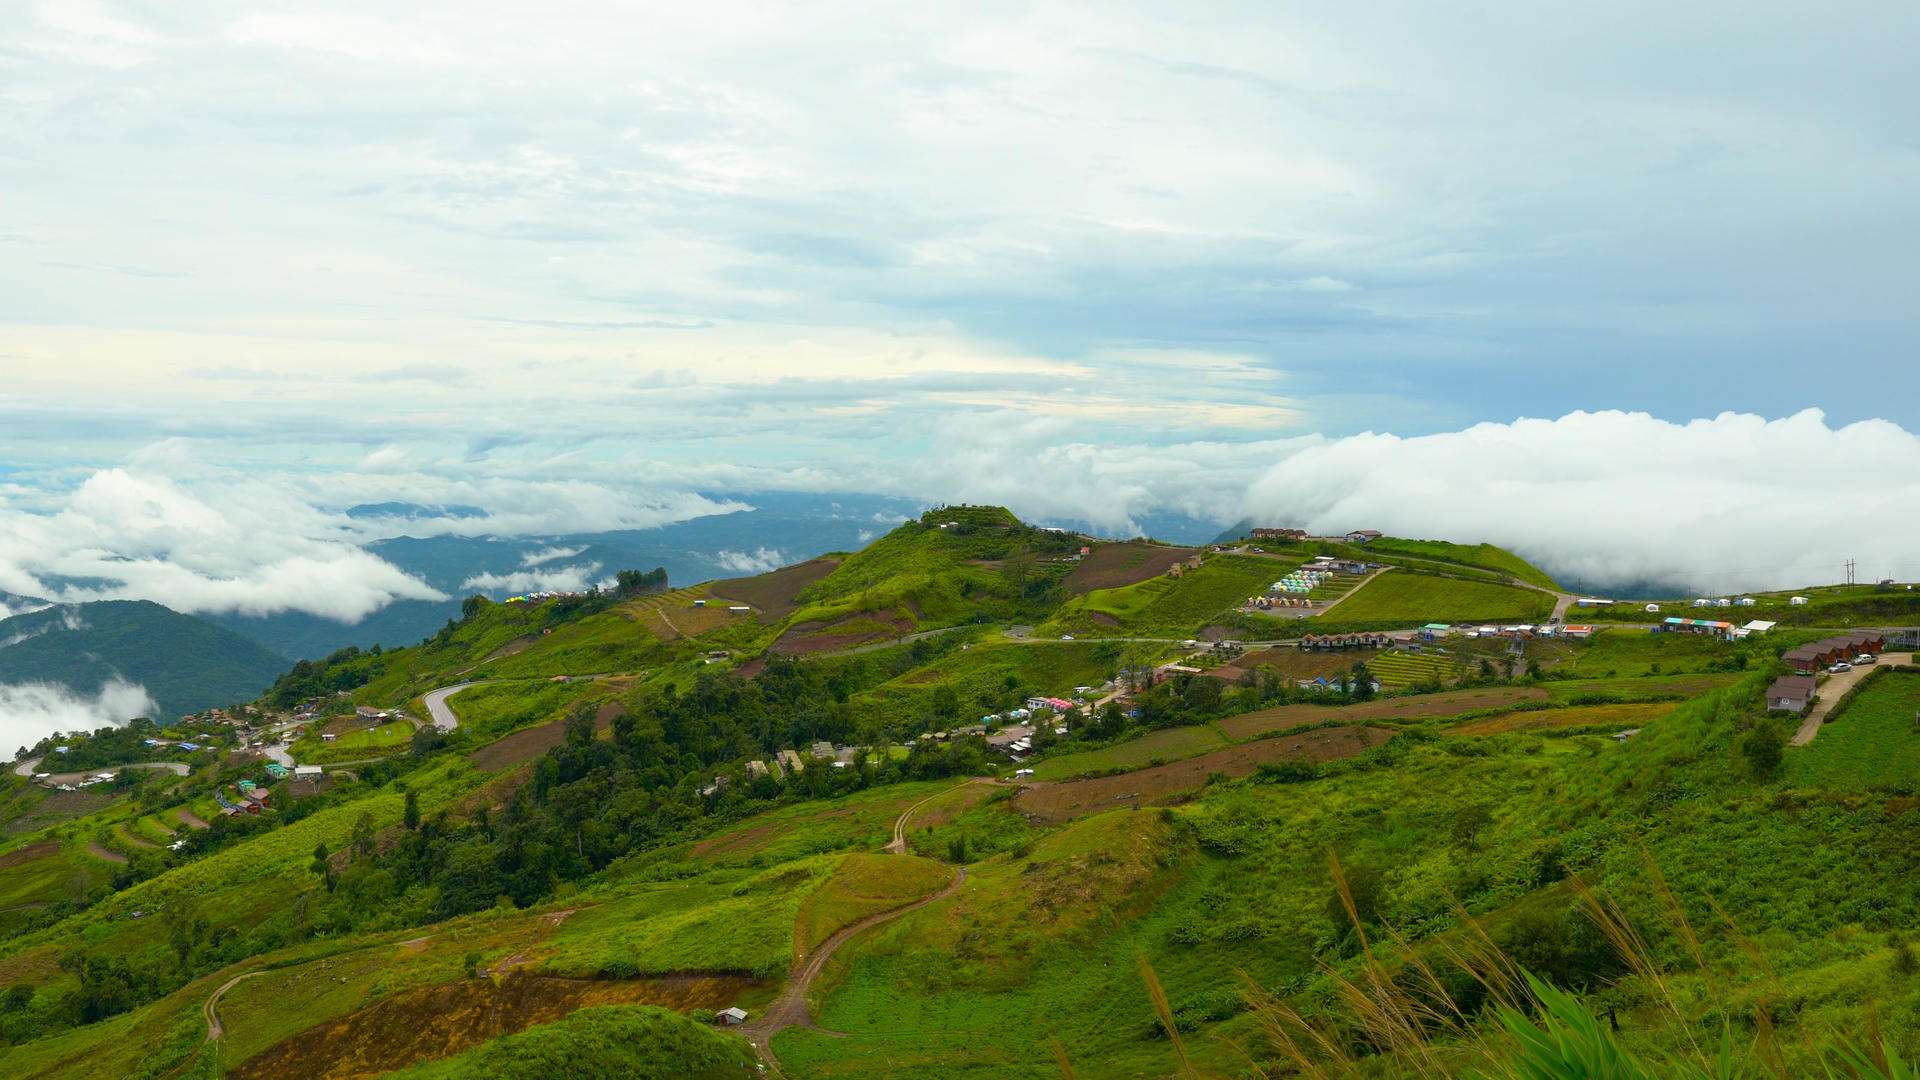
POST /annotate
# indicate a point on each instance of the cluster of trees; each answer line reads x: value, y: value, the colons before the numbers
x: 107, y: 746
x: 344, y: 669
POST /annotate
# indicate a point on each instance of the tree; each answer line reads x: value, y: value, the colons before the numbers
x: 579, y: 725
x: 1360, y: 682
x: 410, y: 816
x: 1017, y: 567
x: 473, y: 605
x: 1764, y: 747
x: 1468, y: 823
x: 363, y: 833
x: 322, y: 865
x: 1367, y: 888
x: 957, y: 849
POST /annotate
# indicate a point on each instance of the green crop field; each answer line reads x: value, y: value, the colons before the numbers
x: 1397, y: 669
x: 1410, y: 599
x: 608, y: 1042
x: 1168, y: 744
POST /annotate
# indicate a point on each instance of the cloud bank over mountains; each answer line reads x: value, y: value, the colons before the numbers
x: 28, y: 711
x: 1733, y: 502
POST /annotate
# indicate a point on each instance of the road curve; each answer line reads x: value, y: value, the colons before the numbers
x: 790, y: 1008
x: 436, y: 702
x: 212, y: 1014
x: 26, y: 767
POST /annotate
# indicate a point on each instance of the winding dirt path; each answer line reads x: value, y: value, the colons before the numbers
x: 209, y: 1010
x: 898, y: 845
x: 187, y: 817
x: 790, y: 1008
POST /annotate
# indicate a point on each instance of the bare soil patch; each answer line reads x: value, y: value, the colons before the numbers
x: 1558, y: 719
x: 1056, y: 803
x: 99, y: 852
x: 441, y: 1021
x: 1112, y: 566
x: 772, y: 594
x: 522, y: 746
x: 41, y: 850
x: 1419, y: 706
x: 807, y: 638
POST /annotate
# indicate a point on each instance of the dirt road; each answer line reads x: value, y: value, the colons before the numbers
x: 790, y: 1008
x: 209, y: 1010
x: 1836, y: 688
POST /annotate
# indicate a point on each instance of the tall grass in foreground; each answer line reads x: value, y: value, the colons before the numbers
x: 1399, y: 1017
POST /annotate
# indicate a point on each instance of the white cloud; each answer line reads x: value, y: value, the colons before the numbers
x: 31, y: 711
x: 549, y: 554
x: 360, y: 37
x: 759, y: 561
x: 551, y: 579
x: 1735, y: 502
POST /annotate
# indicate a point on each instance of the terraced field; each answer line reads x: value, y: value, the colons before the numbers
x: 1396, y: 668
x: 1449, y: 703
x: 1625, y: 716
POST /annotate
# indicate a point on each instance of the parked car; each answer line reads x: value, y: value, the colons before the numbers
x: 1865, y: 658
x: 1840, y: 667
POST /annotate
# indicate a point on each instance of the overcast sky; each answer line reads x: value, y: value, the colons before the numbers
x: 570, y: 262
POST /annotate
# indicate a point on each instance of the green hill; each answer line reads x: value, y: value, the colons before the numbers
x: 186, y: 663
x: 574, y: 880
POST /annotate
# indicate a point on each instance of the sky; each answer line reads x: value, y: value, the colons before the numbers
x: 1627, y: 287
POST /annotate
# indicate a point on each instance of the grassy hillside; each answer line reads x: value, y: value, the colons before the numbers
x: 1482, y: 556
x: 1405, y: 598
x: 572, y: 880
x: 187, y: 664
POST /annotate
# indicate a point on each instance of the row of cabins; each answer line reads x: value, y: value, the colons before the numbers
x: 1712, y: 627
x: 1808, y: 659
x: 1347, y: 641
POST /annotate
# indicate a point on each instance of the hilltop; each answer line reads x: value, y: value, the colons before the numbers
x: 973, y: 799
x: 185, y: 663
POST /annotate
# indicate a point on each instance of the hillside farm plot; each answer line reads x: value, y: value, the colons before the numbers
x: 530, y: 743
x: 773, y: 594
x: 1397, y: 668
x: 1167, y: 744
x: 1112, y: 566
x: 1875, y: 741
x: 1410, y: 599
x: 1298, y: 664
x: 438, y: 1022
x: 1168, y: 606
x: 1056, y: 803
x: 1417, y: 707
x: 1642, y: 688
x: 1579, y: 716
x: 1483, y: 556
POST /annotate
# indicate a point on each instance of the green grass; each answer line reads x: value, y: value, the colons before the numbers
x: 1167, y: 744
x: 503, y: 708
x: 352, y: 745
x: 730, y: 920
x: 607, y: 1042
x: 1166, y: 606
x: 865, y: 884
x: 1483, y: 556
x: 1410, y: 599
x: 1874, y: 743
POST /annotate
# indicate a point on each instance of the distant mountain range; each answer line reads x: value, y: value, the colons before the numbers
x: 186, y: 663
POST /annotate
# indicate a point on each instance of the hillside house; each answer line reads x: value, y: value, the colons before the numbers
x: 1793, y: 693
x: 1797, y: 601
x: 306, y: 772
x: 1279, y: 534
x: 1363, y: 536
x: 1810, y: 658
x: 736, y: 1016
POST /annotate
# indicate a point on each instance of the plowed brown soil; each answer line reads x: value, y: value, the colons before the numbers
x: 441, y: 1021
x: 772, y: 594
x: 1449, y: 703
x: 531, y: 743
x: 1054, y: 803
x: 1114, y: 565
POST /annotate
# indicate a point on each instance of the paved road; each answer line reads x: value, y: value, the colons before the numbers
x: 26, y: 767
x: 278, y: 752
x: 1833, y: 690
x: 436, y: 700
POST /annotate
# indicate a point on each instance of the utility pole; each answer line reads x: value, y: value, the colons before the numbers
x: 1849, y: 573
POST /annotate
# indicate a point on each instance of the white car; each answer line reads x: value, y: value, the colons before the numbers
x: 1865, y: 658
x: 1840, y: 667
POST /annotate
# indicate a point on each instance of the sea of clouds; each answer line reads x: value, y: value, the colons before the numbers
x: 1729, y: 503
